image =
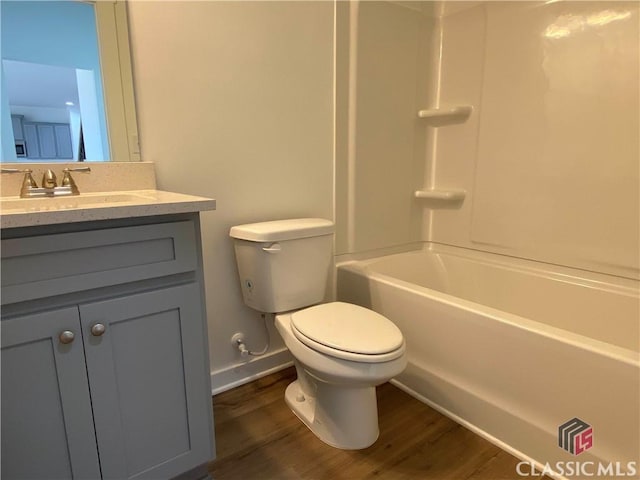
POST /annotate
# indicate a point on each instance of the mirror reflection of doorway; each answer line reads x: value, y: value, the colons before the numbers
x: 45, y: 97
x: 52, y: 82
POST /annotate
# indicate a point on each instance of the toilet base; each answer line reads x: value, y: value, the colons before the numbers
x: 345, y: 418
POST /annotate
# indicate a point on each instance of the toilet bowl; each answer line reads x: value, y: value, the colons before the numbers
x: 341, y: 351
x: 339, y: 368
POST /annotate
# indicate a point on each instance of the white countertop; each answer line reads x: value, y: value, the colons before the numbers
x: 27, y: 212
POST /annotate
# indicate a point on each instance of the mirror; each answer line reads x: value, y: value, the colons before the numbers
x: 67, y: 89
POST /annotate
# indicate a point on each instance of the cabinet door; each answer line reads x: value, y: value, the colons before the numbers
x: 63, y: 141
x: 47, y: 138
x: 47, y: 427
x: 16, y: 123
x: 149, y: 383
x: 31, y: 139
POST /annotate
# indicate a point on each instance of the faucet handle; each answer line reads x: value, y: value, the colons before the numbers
x: 16, y: 170
x: 28, y: 181
x: 77, y: 169
x: 67, y: 179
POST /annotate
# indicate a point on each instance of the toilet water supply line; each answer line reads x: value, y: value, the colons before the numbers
x: 238, y: 339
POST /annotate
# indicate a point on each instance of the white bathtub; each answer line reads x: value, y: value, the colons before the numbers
x: 512, y: 349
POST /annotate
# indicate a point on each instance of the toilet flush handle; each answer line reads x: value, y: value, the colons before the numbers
x: 273, y: 248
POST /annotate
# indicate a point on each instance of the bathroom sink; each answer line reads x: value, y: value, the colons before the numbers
x: 88, y: 200
x: 96, y: 206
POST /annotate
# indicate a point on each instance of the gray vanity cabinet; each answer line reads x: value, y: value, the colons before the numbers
x: 149, y: 403
x: 104, y: 353
x: 47, y: 424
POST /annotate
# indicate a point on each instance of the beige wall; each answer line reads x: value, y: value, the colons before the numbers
x: 383, y: 61
x: 550, y: 156
x: 234, y: 102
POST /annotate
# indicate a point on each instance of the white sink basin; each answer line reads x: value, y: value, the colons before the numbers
x: 88, y: 200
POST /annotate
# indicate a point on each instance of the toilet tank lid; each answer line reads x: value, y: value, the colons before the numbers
x: 278, y: 230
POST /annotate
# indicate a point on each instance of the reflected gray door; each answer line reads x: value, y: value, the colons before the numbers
x: 31, y: 139
x: 47, y: 139
x: 63, y: 141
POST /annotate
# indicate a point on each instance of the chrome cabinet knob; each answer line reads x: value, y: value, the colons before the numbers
x: 98, y: 329
x: 66, y: 336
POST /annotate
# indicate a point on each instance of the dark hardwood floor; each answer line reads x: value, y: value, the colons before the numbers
x: 258, y: 437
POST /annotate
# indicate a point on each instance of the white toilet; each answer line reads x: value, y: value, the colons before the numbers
x: 341, y: 351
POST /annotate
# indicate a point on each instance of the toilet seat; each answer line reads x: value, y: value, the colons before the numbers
x: 349, y: 332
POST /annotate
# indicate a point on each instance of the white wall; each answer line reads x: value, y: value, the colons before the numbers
x: 235, y: 102
x: 7, y: 143
x: 549, y: 157
x: 74, y: 127
x: 90, y: 113
x: 384, y: 57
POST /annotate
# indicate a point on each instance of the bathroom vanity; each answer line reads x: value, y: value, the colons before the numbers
x: 105, y: 367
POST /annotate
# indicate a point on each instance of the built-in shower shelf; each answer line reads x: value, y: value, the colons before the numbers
x: 456, y: 114
x: 441, y: 195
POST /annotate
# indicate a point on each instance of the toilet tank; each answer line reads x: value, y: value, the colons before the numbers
x: 283, y: 265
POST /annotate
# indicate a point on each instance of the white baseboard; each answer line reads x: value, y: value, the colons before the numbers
x: 236, y: 375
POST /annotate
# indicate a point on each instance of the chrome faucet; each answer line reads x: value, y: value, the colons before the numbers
x: 50, y: 186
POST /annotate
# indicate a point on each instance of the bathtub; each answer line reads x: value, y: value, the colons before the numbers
x: 512, y: 349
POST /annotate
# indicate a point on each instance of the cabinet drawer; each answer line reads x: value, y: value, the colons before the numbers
x: 47, y: 265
